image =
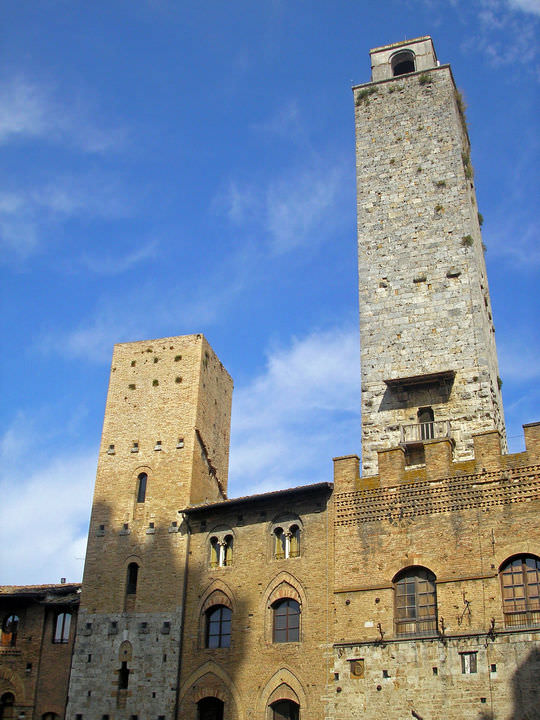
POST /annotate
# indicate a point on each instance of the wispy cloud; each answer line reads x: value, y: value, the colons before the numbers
x: 29, y: 111
x: 301, y: 207
x: 27, y: 216
x: 116, y: 264
x: 302, y: 410
x: 151, y: 310
x: 285, y: 123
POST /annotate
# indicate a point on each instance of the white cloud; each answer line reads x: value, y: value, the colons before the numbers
x: 527, y: 6
x: 46, y: 510
x: 29, y: 111
x: 302, y: 410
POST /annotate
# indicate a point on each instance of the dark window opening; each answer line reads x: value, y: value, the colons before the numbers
x: 10, y: 627
x: 286, y: 621
x: 210, y: 708
x: 6, y: 705
x: 132, y: 573
x: 141, y: 492
x: 218, y: 627
x: 426, y: 417
x: 415, y: 603
x: 520, y: 580
x: 123, y: 677
x: 62, y: 627
x: 403, y: 63
x: 285, y: 710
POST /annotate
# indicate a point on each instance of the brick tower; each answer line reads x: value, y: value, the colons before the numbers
x: 429, y: 363
x: 165, y: 445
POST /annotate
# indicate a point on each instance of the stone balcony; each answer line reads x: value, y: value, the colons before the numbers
x: 419, y: 433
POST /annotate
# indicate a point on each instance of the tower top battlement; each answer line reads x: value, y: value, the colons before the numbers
x: 403, y: 57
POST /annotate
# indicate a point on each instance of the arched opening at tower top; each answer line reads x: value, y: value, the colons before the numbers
x: 403, y: 63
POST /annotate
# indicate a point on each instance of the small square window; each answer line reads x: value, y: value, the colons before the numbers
x: 468, y: 663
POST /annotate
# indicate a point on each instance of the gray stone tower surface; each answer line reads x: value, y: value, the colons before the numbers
x: 429, y: 363
x: 165, y: 445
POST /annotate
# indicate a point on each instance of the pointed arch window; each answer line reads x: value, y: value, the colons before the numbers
x: 520, y: 581
x: 10, y: 628
x: 415, y: 602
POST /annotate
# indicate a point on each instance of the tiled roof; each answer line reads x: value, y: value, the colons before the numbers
x: 257, y: 498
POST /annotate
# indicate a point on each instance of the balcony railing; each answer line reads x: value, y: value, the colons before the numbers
x: 420, y: 432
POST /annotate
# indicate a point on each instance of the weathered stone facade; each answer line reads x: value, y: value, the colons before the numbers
x: 167, y: 419
x: 426, y: 328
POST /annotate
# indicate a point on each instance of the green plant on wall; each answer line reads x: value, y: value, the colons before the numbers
x: 363, y: 95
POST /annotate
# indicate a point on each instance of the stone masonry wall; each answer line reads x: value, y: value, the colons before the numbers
x: 424, y: 299
x: 463, y: 526
x: 254, y: 670
x: 167, y: 415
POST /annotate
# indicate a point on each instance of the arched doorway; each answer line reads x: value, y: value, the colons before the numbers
x: 285, y: 710
x: 210, y: 708
x: 6, y: 706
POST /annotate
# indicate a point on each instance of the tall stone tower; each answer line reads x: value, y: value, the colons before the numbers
x: 429, y: 363
x: 165, y: 445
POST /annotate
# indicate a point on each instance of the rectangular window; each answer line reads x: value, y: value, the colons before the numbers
x: 468, y: 663
x: 61, y: 628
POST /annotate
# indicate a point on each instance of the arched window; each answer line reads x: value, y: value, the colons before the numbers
x: 426, y: 417
x: 49, y: 716
x: 415, y: 602
x: 131, y: 580
x: 286, y: 538
x: 10, y: 627
x: 6, y: 706
x: 403, y: 63
x: 141, y: 488
x: 280, y: 544
x: 218, y: 627
x: 221, y: 551
x: 294, y: 541
x: 520, y: 580
x: 285, y: 710
x: 61, y: 628
x: 286, y: 627
x: 210, y: 708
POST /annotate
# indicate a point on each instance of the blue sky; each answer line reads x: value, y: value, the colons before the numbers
x: 180, y: 167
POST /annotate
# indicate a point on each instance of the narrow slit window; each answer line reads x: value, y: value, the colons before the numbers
x: 141, y: 490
